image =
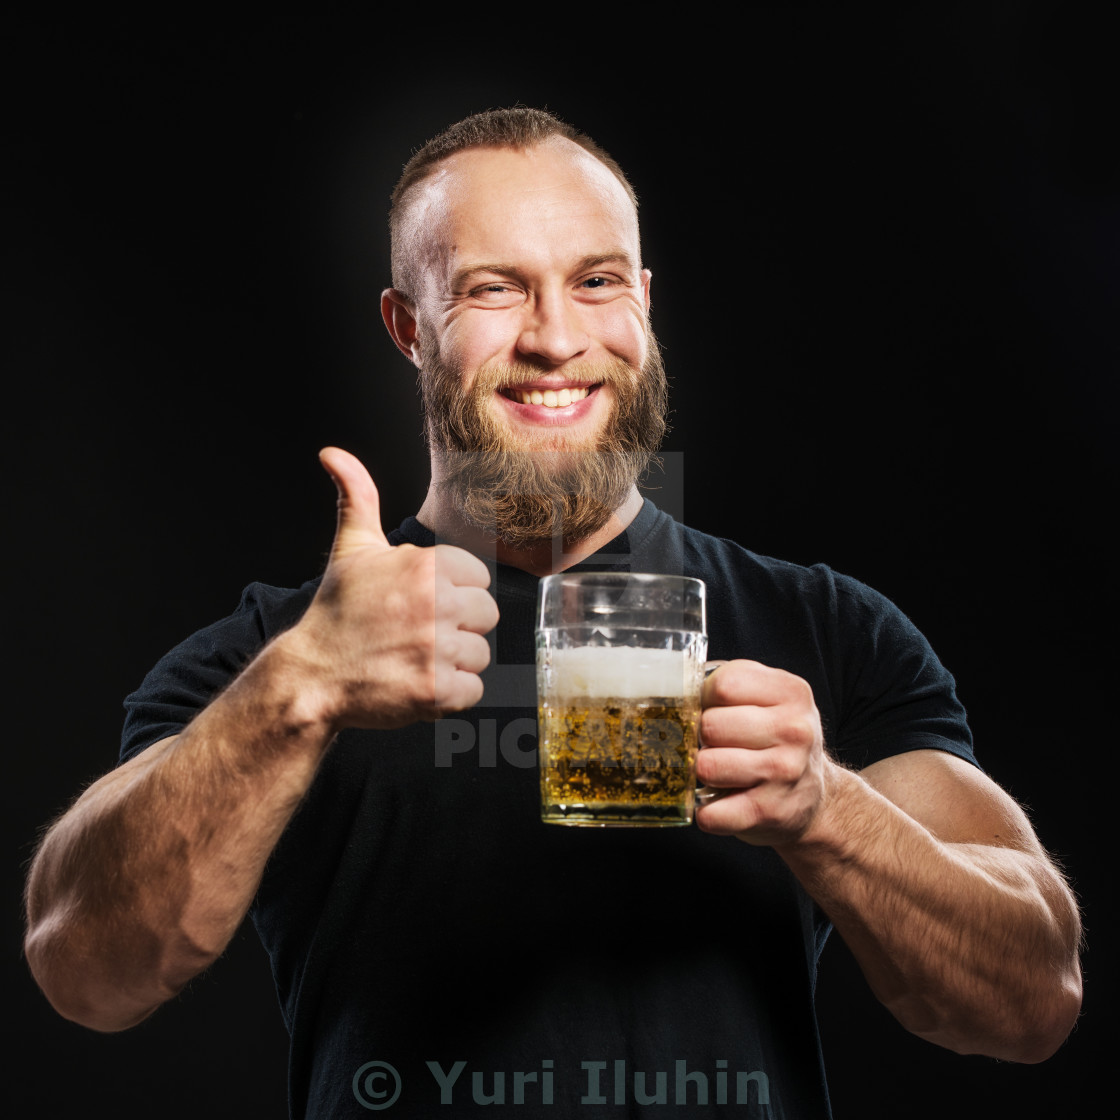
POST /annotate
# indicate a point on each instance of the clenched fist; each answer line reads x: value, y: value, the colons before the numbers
x: 763, y: 759
x: 394, y: 634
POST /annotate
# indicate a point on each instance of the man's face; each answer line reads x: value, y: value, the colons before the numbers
x: 541, y: 381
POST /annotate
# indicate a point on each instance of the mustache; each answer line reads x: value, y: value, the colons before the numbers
x: 502, y: 485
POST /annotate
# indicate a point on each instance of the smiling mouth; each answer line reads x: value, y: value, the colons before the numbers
x: 550, y: 398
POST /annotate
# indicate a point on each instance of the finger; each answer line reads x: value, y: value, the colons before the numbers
x: 751, y: 682
x: 716, y: 733
x: 359, y: 505
x: 740, y: 726
x: 758, y: 816
x: 729, y: 768
x: 732, y: 682
x: 730, y: 813
x: 463, y: 690
x: 756, y: 727
x: 476, y: 610
x: 709, y: 668
x: 473, y: 652
x: 460, y: 567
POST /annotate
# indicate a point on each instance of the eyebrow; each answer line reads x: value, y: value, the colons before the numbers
x: 463, y: 277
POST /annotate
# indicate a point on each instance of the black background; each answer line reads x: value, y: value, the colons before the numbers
x: 885, y: 256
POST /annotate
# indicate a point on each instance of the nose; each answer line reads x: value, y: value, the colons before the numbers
x: 552, y: 332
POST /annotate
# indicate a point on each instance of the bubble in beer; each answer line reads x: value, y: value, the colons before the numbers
x: 618, y: 735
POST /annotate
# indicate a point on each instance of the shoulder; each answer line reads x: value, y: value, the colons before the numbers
x: 188, y: 676
x: 838, y: 608
x: 880, y: 686
x: 732, y: 566
x: 262, y: 612
x: 274, y: 608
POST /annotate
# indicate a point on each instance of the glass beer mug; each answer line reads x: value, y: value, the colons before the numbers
x: 620, y: 664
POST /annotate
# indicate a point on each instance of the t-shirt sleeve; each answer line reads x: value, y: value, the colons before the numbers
x: 187, y: 678
x: 895, y: 695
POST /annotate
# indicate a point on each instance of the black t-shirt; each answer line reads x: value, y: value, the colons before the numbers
x: 419, y: 915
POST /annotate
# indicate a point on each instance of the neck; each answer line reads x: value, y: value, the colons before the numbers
x: 444, y: 520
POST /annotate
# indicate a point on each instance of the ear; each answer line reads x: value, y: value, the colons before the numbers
x: 399, y: 314
x: 647, y: 278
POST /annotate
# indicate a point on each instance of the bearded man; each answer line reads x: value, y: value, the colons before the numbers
x: 435, y: 946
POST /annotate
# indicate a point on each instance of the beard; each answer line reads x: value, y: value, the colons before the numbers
x: 526, y: 492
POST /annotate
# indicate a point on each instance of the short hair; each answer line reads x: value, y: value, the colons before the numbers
x: 519, y: 127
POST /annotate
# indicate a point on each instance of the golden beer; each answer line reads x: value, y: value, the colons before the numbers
x: 620, y: 661
x: 618, y: 761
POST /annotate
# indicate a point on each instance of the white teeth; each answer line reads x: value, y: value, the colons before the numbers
x: 550, y: 398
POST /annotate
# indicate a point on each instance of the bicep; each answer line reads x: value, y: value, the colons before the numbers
x: 953, y: 799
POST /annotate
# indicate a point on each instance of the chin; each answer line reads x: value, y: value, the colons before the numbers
x: 551, y: 449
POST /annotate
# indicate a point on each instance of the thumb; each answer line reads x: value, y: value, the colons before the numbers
x: 359, y: 506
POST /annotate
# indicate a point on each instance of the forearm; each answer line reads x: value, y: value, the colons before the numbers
x: 142, y: 883
x: 970, y: 945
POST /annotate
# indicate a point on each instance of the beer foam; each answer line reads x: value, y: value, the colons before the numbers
x: 621, y: 671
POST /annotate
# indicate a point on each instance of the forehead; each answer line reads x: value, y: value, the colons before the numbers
x: 528, y: 206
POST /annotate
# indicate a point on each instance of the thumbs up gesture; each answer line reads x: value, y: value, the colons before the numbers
x: 394, y: 634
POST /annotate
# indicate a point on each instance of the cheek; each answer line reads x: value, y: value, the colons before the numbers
x: 477, y: 339
x: 631, y: 346
x: 623, y: 332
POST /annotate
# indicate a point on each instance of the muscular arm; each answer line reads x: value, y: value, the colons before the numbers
x: 961, y: 924
x: 142, y: 883
x: 929, y: 871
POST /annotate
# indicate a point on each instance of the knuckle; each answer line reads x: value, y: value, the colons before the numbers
x: 800, y: 690
x: 425, y: 564
x: 786, y: 767
x: 446, y: 602
x: 724, y: 684
x: 795, y: 729
x: 425, y: 671
x: 476, y: 652
x: 762, y: 818
x: 457, y: 690
x: 417, y: 614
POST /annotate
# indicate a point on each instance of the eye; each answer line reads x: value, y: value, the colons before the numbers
x: 596, y: 282
x: 496, y: 294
